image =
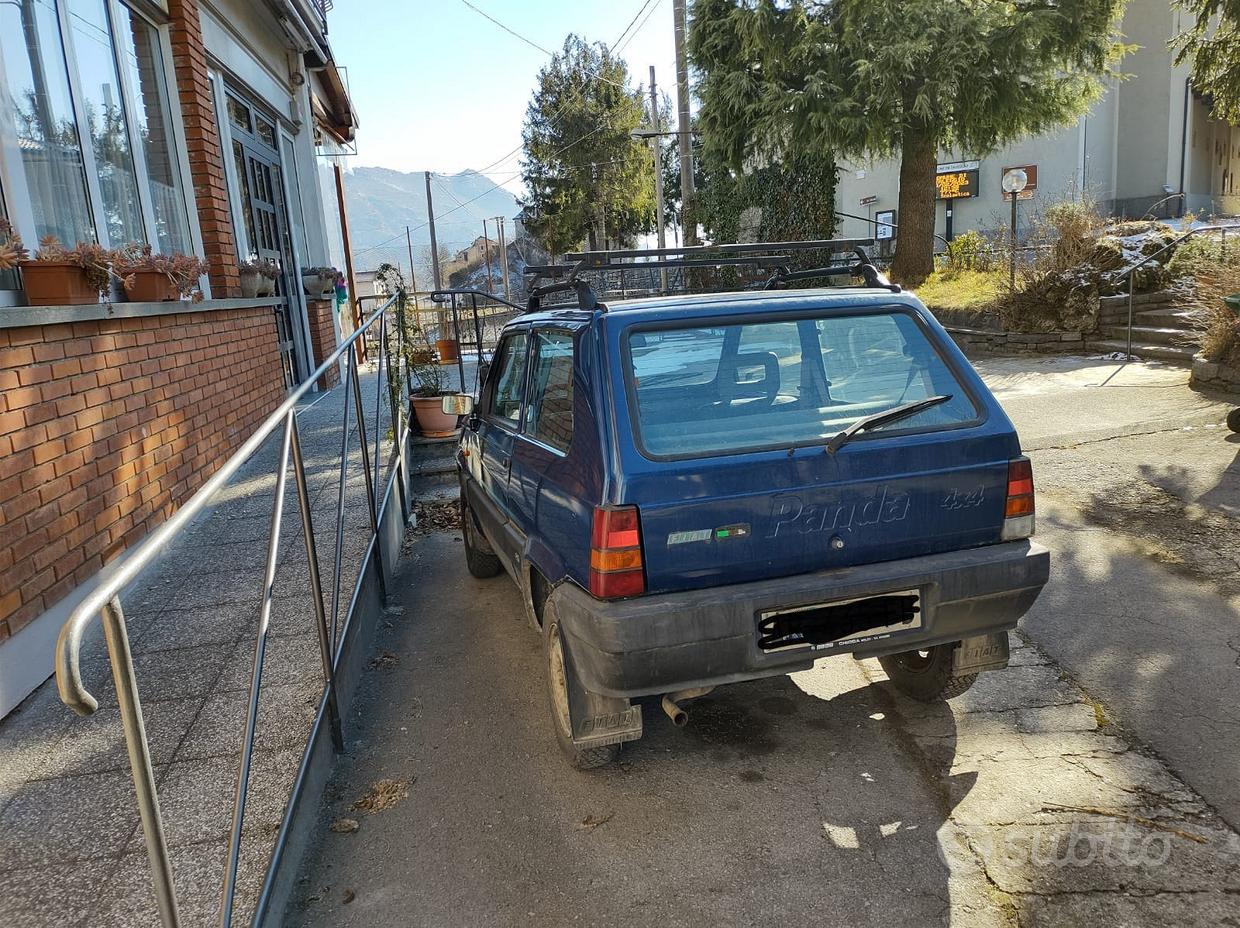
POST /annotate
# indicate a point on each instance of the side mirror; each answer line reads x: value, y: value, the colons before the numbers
x: 457, y: 404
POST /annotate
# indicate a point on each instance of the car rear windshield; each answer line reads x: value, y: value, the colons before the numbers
x: 710, y: 389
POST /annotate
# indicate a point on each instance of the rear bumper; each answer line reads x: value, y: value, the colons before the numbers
x: 664, y: 642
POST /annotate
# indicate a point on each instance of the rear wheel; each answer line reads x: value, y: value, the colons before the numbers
x: 926, y: 675
x: 558, y: 670
x: 1233, y: 420
x: 479, y: 556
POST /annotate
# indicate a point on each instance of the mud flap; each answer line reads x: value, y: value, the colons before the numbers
x: 598, y: 720
x: 982, y: 652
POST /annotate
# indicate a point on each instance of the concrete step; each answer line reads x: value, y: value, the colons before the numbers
x: 433, y: 456
x: 1154, y: 300
x: 1147, y: 352
x: 1152, y: 335
x: 1169, y: 317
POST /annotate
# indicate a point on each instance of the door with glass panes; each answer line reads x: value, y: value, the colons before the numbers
x: 256, y: 161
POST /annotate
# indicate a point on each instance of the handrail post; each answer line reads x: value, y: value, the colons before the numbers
x: 117, y: 638
x: 1130, y: 290
x: 229, y: 892
x: 316, y: 586
x: 371, y: 503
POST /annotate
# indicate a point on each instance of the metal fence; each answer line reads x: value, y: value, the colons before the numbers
x: 385, y: 330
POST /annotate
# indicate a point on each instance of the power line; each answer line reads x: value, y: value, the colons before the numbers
x: 633, y: 34
x: 641, y: 9
x: 511, y: 32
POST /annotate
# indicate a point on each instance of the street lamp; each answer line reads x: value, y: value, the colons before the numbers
x: 1014, y: 181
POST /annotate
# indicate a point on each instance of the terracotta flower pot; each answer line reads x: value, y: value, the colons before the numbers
x: 448, y: 350
x: 151, y: 287
x: 432, y: 420
x: 249, y: 284
x: 55, y: 283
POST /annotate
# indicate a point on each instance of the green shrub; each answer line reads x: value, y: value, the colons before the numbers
x: 970, y: 252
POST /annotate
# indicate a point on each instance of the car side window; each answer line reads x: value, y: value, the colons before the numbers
x: 549, y: 414
x: 509, y: 389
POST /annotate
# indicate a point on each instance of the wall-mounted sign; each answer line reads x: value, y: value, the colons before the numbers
x: 955, y: 185
x: 952, y: 166
x: 1031, y: 184
x: 885, y: 224
x: 867, y: 200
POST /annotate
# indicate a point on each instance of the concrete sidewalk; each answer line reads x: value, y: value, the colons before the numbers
x: 71, y: 849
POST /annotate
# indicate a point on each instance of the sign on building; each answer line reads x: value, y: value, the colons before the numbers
x: 884, y: 224
x: 1031, y: 172
x: 956, y: 180
x: 869, y: 199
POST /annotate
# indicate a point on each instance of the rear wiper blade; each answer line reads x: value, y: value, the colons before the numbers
x: 894, y: 414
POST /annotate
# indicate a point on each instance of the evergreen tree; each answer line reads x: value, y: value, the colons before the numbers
x: 582, y: 170
x: 875, y: 78
x: 1212, y: 44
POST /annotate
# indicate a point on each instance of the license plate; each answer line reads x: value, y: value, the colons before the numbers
x: 839, y: 623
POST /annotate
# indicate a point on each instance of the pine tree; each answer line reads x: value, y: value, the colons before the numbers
x: 876, y: 78
x: 582, y: 169
x: 1212, y: 44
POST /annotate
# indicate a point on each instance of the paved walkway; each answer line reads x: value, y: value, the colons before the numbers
x: 71, y: 849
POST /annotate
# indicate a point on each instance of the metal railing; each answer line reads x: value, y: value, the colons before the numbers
x: 1131, y: 270
x: 105, y: 598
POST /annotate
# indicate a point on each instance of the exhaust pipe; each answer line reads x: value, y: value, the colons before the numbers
x: 673, y: 709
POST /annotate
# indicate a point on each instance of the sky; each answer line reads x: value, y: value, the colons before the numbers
x: 438, y: 87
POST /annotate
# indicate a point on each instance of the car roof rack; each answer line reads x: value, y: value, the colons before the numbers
x: 772, y: 256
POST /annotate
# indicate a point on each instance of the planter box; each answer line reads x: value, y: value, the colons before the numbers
x: 151, y: 287
x: 1214, y: 375
x: 52, y: 283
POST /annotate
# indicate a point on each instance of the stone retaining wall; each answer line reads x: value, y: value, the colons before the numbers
x: 1214, y: 376
x: 987, y: 341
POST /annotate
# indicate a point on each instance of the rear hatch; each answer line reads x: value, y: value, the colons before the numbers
x: 732, y: 422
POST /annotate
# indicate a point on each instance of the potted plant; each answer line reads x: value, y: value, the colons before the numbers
x: 426, y: 397
x: 258, y: 278
x: 152, y: 278
x: 318, y: 280
x: 60, y: 276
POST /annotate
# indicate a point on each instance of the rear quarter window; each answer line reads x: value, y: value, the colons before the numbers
x: 706, y: 389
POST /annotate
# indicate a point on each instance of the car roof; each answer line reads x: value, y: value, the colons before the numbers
x: 741, y: 302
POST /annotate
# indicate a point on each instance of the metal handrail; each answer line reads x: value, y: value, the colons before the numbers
x: 105, y: 600
x: 1137, y: 265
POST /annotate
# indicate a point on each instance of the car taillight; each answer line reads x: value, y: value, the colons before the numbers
x: 1018, y: 515
x: 616, y: 554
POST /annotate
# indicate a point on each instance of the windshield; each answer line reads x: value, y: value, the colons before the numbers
x: 767, y: 384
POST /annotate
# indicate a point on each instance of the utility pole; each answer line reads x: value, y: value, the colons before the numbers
x: 503, y: 254
x: 655, y: 144
x: 430, y: 216
x: 600, y: 220
x: 486, y: 250
x: 688, y: 215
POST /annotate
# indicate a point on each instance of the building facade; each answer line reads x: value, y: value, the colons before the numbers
x: 1150, y: 139
x: 191, y: 126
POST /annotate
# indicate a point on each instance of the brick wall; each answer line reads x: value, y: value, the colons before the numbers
x: 206, y: 158
x: 107, y: 426
x: 323, y: 338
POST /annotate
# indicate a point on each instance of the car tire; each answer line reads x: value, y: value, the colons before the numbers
x: 1233, y: 420
x: 557, y: 694
x: 480, y: 558
x: 926, y: 675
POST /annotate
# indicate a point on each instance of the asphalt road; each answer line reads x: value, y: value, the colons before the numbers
x: 1139, y: 488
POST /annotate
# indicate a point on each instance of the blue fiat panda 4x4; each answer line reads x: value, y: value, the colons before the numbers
x: 698, y: 490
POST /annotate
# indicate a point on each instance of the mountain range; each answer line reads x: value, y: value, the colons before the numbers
x: 382, y: 202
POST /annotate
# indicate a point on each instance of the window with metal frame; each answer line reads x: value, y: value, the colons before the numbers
x: 88, y: 148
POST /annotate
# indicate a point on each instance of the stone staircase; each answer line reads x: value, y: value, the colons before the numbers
x: 1162, y: 329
